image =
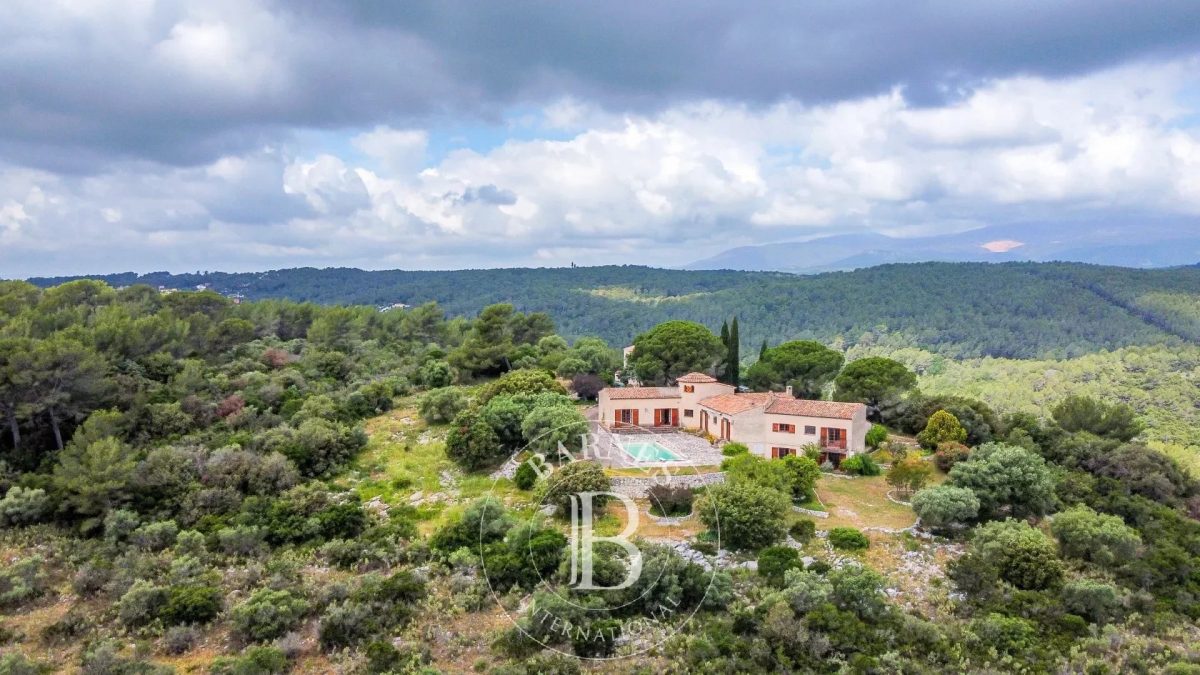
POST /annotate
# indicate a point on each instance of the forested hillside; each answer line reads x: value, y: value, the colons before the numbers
x: 962, y: 310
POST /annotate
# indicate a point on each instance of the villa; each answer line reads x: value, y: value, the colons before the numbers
x: 772, y: 424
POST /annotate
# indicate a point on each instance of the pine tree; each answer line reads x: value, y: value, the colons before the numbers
x: 734, y: 369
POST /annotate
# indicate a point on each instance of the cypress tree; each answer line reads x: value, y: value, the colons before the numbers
x: 762, y: 351
x: 723, y: 368
x: 735, y: 355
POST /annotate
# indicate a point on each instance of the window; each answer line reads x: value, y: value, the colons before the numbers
x: 784, y: 428
x: 689, y: 388
x: 834, y: 434
x: 625, y: 416
x: 809, y: 430
x: 780, y: 453
x: 687, y: 413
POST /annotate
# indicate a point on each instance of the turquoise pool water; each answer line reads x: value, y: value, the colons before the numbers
x: 648, y: 451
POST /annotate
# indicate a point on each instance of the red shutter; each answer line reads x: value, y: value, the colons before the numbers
x: 674, y: 417
x: 635, y: 417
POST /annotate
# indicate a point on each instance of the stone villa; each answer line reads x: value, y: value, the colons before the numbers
x: 772, y: 424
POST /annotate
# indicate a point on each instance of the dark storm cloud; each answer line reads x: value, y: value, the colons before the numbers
x: 77, y: 91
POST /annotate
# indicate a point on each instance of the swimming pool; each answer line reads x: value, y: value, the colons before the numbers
x: 648, y: 451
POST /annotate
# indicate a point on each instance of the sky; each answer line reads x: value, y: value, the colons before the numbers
x: 248, y: 135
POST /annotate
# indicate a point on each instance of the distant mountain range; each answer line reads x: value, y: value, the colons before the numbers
x: 1159, y: 243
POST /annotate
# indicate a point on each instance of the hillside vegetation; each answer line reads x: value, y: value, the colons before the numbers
x: 961, y: 310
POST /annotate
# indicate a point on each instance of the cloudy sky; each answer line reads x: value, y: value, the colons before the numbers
x: 249, y: 134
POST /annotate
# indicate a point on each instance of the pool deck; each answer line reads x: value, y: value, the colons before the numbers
x: 691, y: 450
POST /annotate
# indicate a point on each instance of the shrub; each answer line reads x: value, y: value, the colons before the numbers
x: 472, y: 443
x: 526, y: 474
x: 189, y: 542
x: 141, y: 604
x: 745, y: 515
x: 949, y: 454
x: 1096, y: 537
x: 441, y: 405
x: 667, y: 500
x: 909, y: 474
x: 524, y: 381
x: 548, y: 427
x: 848, y: 539
x: 243, y: 540
x: 483, y: 522
x: 876, y: 436
x: 775, y: 561
x: 71, y: 626
x: 1095, y: 601
x: 91, y: 578
x: 119, y: 524
x: 569, y: 480
x: 435, y: 374
x: 1010, y: 550
x: 861, y: 465
x: 21, y: 506
x: 191, y: 604
x: 1008, y: 480
x: 15, y: 663
x: 21, y: 581
x: 803, y: 530
x: 258, y: 660
x: 180, y: 639
x: 945, y: 506
x: 942, y: 427
x: 346, y: 624
x: 266, y: 615
x: 733, y: 449
x: 155, y: 536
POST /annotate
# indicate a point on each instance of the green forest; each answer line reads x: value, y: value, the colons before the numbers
x: 196, y: 485
x: 961, y: 310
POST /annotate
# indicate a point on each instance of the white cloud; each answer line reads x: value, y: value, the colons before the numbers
x: 661, y: 189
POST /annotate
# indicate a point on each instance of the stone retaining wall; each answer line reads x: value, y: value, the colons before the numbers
x: 639, y: 488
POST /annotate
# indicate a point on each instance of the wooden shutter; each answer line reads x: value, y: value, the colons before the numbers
x: 674, y: 417
x: 635, y: 417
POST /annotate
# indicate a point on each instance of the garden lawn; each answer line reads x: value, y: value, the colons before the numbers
x: 860, y: 502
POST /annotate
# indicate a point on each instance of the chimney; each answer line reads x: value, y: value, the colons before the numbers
x: 788, y: 390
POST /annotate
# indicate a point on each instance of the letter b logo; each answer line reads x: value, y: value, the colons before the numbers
x: 583, y: 540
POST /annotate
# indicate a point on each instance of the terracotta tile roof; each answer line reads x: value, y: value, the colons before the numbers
x: 619, y: 393
x: 696, y: 378
x: 780, y: 404
x: 733, y: 404
x: 830, y: 409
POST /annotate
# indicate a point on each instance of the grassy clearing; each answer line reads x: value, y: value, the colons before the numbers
x: 405, y: 456
x: 861, y: 502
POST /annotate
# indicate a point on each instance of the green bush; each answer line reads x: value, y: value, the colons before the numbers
x: 943, y: 506
x: 562, y: 486
x: 257, y: 660
x: 949, y: 454
x: 775, y: 561
x: 746, y: 515
x: 861, y: 465
x: 876, y: 436
x: 472, y: 443
x: 141, y: 604
x: 191, y: 604
x: 155, y: 536
x: 266, y: 615
x: 441, y: 405
x: 21, y: 506
x: 526, y: 474
x: 733, y: 449
x: 848, y: 539
x: 667, y: 500
x: 803, y: 530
